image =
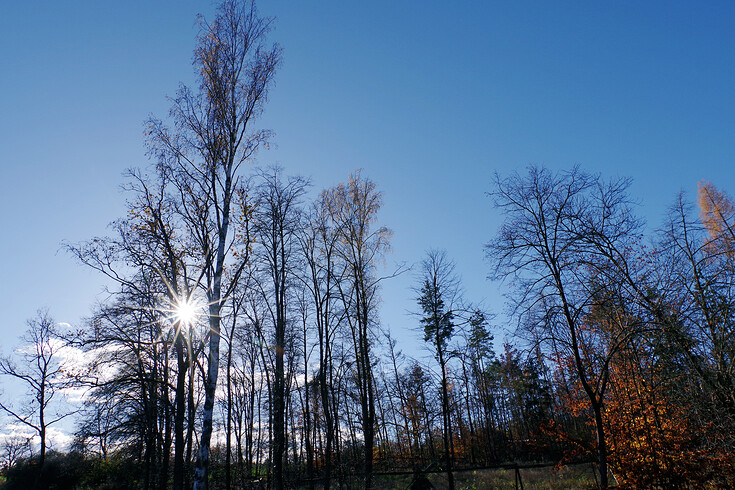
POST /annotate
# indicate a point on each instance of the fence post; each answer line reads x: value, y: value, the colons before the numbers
x: 519, y: 480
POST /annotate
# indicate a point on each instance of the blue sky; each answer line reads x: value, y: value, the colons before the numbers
x: 429, y: 98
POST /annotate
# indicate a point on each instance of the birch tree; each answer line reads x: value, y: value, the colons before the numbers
x: 201, y: 155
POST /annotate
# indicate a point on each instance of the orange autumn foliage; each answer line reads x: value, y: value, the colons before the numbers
x: 717, y: 213
x: 655, y: 441
x: 654, y: 438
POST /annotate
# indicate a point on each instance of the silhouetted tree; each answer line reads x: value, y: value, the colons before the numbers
x: 277, y: 221
x: 320, y: 276
x: 14, y: 448
x: 353, y: 209
x: 696, y: 311
x: 437, y: 296
x: 40, y: 371
x: 565, y: 239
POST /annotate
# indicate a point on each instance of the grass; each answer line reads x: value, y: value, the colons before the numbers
x: 575, y: 477
x: 571, y: 477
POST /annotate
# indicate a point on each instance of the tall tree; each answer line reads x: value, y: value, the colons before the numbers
x: 437, y: 294
x: 151, y: 263
x: 201, y: 157
x: 318, y: 242
x: 717, y: 213
x: 698, y: 265
x: 565, y: 241
x: 478, y: 355
x: 277, y: 221
x: 183, y: 221
x: 353, y: 209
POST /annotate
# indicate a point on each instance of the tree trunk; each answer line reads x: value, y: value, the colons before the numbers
x: 368, y: 409
x: 178, y: 482
x: 307, y: 418
x: 446, y: 420
x: 278, y: 412
x: 165, y: 449
x: 325, y: 395
x: 210, y: 387
x: 191, y: 413
x: 601, y: 445
x: 42, y: 420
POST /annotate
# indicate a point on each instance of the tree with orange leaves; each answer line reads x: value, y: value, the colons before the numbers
x: 658, y: 437
x: 717, y: 213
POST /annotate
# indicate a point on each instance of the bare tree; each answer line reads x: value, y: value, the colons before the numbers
x: 353, y: 209
x: 152, y: 265
x: 212, y: 138
x: 564, y: 241
x: 41, y: 371
x: 318, y: 242
x: 277, y: 221
x: 14, y: 448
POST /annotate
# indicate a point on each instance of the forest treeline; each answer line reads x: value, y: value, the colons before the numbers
x: 241, y: 344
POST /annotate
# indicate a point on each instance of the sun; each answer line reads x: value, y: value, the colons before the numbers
x: 186, y: 312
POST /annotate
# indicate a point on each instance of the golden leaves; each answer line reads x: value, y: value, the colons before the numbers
x: 717, y: 214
